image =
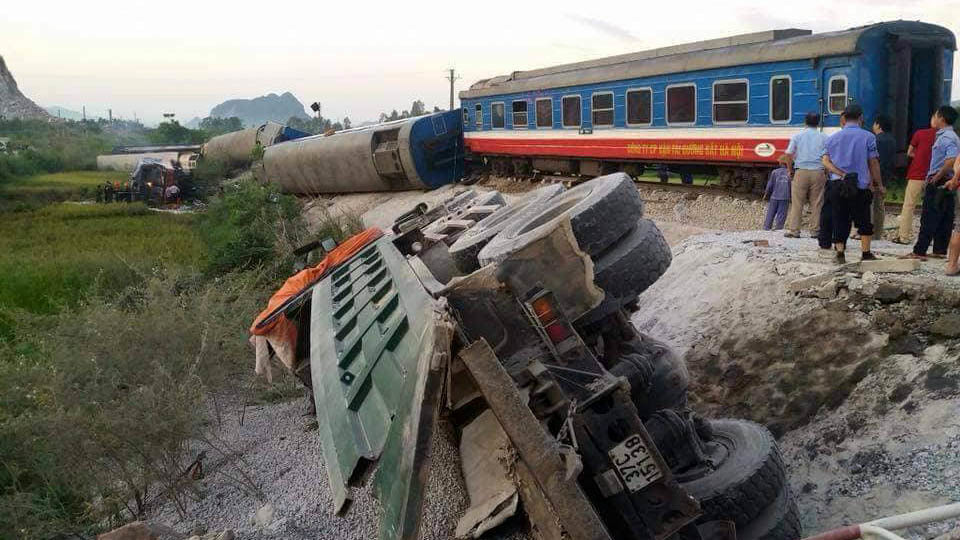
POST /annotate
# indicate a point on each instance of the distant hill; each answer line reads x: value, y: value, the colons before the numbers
x: 193, y: 123
x: 261, y: 109
x: 63, y: 112
x: 13, y: 104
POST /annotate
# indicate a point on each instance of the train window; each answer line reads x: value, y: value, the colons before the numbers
x: 478, y: 119
x: 601, y: 105
x: 682, y: 104
x: 571, y: 111
x: 466, y: 117
x: 545, y: 113
x: 730, y: 102
x: 496, y: 115
x: 780, y: 98
x: 639, y: 107
x: 519, y: 114
x: 838, y: 94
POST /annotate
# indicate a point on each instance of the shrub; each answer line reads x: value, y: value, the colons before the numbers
x: 250, y: 225
x: 91, y: 431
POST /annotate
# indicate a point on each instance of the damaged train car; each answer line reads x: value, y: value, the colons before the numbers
x: 423, y: 152
x: 237, y: 148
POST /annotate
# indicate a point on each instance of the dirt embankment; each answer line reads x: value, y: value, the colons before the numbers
x: 856, y: 373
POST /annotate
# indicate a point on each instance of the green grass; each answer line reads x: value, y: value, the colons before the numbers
x: 63, y: 181
x: 49, y: 258
x: 33, y: 192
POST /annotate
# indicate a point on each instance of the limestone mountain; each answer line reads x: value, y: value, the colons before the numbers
x: 13, y: 104
x: 261, y: 109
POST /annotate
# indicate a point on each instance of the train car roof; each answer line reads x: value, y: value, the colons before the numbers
x: 744, y: 49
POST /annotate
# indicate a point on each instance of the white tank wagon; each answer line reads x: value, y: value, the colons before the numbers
x: 236, y: 148
x: 424, y: 152
x: 128, y: 162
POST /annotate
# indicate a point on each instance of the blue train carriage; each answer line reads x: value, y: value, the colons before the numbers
x: 725, y: 106
x: 422, y: 152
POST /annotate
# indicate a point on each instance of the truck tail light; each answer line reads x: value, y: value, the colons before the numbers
x: 557, y: 332
x: 554, y: 326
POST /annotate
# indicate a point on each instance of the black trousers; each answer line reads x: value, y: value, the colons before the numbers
x: 936, y: 220
x: 840, y: 212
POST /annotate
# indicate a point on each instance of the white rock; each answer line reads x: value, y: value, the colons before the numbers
x: 264, y: 515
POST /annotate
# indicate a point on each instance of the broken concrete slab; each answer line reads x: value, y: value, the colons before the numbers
x: 485, y: 453
x: 812, y: 282
x: 889, y: 265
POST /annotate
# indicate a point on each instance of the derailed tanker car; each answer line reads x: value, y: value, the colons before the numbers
x: 236, y: 148
x: 562, y: 406
x: 423, y: 152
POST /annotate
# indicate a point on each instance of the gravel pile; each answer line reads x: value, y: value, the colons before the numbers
x: 279, y: 452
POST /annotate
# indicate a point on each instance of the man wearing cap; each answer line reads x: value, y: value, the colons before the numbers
x: 803, y: 156
x: 937, y: 215
x: 851, y: 158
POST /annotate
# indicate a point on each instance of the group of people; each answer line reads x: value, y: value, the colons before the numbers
x: 844, y: 177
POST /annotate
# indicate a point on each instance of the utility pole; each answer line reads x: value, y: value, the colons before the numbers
x: 84, y: 113
x: 453, y: 77
x: 110, y: 114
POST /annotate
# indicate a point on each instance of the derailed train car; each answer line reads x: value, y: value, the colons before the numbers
x: 236, y: 148
x: 423, y: 152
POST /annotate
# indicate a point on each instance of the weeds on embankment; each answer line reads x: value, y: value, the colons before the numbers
x: 123, y: 325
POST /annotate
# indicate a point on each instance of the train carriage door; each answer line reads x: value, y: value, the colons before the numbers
x: 836, y: 94
x: 915, y: 69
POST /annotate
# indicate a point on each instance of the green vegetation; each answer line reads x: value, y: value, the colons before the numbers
x: 31, y: 192
x: 121, y: 328
x: 249, y: 226
x: 51, y: 257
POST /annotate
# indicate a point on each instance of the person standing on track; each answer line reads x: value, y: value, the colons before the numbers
x: 850, y: 156
x: 778, y: 189
x: 803, y: 156
x: 921, y: 144
x: 887, y: 151
x: 936, y: 218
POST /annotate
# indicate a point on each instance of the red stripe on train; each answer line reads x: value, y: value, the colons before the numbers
x: 734, y: 150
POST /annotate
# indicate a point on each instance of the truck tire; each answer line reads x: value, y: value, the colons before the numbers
x: 748, y: 479
x: 464, y: 251
x: 779, y: 521
x: 601, y: 211
x: 628, y: 268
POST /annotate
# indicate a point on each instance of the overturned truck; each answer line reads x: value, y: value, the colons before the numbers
x: 511, y: 320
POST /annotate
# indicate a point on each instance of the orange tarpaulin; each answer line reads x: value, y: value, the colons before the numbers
x: 281, y: 333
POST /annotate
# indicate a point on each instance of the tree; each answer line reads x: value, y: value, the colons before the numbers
x: 214, y: 126
x: 172, y: 132
x: 394, y: 115
x: 346, y: 122
x: 417, y: 109
x: 437, y: 109
x: 383, y: 118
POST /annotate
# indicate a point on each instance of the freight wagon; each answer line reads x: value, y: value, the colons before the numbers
x: 726, y: 107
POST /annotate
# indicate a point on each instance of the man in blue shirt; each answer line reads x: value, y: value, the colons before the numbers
x: 936, y: 218
x: 804, y: 156
x: 850, y: 155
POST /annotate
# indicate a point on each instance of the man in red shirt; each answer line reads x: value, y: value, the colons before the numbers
x: 919, y: 153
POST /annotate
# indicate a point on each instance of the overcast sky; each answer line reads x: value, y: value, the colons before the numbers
x: 359, y: 57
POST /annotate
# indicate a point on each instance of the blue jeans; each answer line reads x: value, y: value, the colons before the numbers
x: 776, y: 209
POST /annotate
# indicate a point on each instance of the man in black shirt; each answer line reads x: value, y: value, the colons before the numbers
x: 887, y: 150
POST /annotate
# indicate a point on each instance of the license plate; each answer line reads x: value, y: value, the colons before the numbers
x: 635, y: 464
